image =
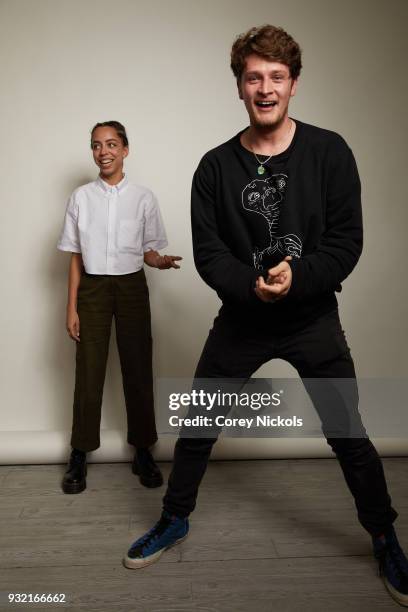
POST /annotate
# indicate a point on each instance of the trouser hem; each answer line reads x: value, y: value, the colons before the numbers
x: 85, y: 447
x: 138, y: 442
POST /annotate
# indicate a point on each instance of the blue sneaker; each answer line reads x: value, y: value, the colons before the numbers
x: 167, y: 532
x: 393, y: 566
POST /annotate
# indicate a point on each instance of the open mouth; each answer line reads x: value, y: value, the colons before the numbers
x: 265, y: 103
x: 106, y: 162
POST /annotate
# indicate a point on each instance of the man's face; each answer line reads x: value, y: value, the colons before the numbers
x: 266, y: 88
x: 108, y: 152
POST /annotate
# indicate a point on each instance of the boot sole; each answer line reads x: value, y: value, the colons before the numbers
x: 139, y: 563
x: 150, y: 483
x: 74, y: 488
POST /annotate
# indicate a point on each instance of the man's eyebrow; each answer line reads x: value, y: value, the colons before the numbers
x: 258, y: 72
x: 275, y: 72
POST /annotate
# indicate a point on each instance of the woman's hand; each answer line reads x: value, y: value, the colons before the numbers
x: 162, y: 262
x: 73, y: 324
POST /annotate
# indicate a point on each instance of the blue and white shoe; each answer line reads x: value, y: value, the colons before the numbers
x: 393, y: 566
x: 167, y: 532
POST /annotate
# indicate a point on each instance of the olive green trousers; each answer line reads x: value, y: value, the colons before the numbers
x: 126, y: 299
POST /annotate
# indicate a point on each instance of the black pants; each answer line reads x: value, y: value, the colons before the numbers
x: 236, y: 348
x: 126, y: 298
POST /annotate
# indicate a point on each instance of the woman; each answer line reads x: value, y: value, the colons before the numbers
x: 111, y: 228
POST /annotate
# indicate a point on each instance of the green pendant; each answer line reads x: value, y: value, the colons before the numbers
x: 261, y: 169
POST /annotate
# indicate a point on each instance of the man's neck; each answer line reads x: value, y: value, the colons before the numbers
x: 269, y: 140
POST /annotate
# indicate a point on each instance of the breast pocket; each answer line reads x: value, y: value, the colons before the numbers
x: 130, y: 236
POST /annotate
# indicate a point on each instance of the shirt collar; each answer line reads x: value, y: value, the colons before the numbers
x: 112, y: 188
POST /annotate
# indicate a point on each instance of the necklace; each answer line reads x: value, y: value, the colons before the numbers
x: 261, y: 169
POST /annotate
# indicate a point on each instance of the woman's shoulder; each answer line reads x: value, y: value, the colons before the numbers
x: 84, y: 190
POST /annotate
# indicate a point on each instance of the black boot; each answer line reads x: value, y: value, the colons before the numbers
x: 145, y: 467
x: 74, y: 478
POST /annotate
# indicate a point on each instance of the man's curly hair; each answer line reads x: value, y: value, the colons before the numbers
x: 270, y: 42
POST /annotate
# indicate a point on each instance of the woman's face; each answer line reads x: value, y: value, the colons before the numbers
x: 108, y: 153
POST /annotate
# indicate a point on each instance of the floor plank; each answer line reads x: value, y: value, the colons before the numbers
x: 279, y: 535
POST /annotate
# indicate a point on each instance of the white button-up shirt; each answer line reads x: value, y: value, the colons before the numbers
x: 112, y: 226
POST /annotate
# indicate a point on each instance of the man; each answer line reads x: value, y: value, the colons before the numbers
x: 276, y: 219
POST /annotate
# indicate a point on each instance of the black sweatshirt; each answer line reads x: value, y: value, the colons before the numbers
x: 307, y: 204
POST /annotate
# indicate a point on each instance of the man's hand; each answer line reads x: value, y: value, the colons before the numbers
x: 73, y: 324
x: 277, y: 284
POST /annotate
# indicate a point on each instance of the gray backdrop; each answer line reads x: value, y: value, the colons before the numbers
x: 162, y: 68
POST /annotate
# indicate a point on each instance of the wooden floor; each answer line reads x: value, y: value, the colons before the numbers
x: 267, y: 536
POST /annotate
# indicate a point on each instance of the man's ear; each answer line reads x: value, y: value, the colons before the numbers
x: 294, y: 86
x: 239, y: 90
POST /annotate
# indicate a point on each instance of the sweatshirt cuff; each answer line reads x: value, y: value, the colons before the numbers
x: 296, y: 287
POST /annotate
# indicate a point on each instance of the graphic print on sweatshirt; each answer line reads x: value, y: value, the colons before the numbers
x: 265, y: 197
